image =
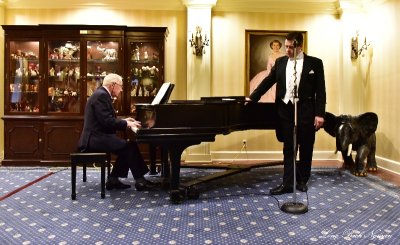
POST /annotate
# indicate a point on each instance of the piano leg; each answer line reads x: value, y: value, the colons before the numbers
x: 177, y: 194
x: 164, y: 163
x: 153, y: 159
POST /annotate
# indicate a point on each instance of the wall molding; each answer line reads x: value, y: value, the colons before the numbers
x: 267, y: 155
x: 252, y: 155
x: 227, y: 156
x: 388, y: 165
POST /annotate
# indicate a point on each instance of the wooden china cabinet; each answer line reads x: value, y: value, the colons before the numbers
x: 51, y: 70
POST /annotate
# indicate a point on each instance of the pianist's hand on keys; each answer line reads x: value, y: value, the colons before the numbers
x: 133, y: 124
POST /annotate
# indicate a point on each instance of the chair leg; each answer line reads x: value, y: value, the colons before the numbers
x: 84, y: 172
x: 103, y: 176
x: 73, y: 181
x: 100, y: 158
x: 108, y: 164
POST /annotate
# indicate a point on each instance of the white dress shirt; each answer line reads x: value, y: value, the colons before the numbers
x: 291, y: 74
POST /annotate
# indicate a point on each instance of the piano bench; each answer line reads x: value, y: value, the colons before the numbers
x: 85, y: 158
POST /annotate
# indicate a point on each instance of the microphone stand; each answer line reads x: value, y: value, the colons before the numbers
x: 294, y: 207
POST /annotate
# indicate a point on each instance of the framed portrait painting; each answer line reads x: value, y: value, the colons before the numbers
x: 262, y: 49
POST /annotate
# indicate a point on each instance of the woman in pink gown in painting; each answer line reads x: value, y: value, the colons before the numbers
x: 269, y: 96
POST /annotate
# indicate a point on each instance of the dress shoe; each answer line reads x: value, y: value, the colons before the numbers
x: 302, y: 187
x: 114, y: 183
x: 281, y: 189
x: 142, y: 184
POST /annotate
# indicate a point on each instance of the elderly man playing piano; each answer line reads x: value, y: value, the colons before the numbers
x: 99, y: 135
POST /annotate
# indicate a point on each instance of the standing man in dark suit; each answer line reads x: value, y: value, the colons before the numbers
x: 310, y: 80
x: 99, y: 135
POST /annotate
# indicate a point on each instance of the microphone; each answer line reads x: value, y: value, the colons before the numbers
x: 295, y: 43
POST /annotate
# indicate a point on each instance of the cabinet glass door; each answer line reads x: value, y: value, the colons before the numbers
x: 102, y: 59
x: 145, y: 71
x: 24, y: 78
x: 64, y: 76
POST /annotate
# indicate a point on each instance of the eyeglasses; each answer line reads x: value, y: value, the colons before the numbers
x: 118, y: 85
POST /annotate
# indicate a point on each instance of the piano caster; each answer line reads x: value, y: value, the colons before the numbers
x: 192, y: 193
x: 180, y: 195
x: 177, y: 196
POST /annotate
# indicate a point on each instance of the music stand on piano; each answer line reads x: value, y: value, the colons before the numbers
x: 163, y: 94
x: 161, y: 97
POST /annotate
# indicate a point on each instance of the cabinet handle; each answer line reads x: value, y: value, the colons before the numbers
x: 40, y: 139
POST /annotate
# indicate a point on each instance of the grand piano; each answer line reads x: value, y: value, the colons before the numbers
x: 177, y: 125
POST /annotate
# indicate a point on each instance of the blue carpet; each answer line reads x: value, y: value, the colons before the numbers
x: 231, y: 210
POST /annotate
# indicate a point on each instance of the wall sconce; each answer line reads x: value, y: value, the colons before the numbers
x: 363, y: 47
x: 355, y: 51
x: 198, y: 43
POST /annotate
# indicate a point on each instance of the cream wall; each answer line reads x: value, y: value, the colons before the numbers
x: 352, y: 86
x: 381, y: 89
x: 370, y: 83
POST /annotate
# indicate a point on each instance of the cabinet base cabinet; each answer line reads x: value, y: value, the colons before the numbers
x: 22, y: 140
x: 30, y: 142
x: 47, y: 142
x: 60, y: 139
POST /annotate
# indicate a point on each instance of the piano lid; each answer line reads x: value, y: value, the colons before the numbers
x: 224, y: 98
x: 215, y: 112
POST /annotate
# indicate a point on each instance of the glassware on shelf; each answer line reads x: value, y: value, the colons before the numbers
x: 144, y: 69
x: 102, y: 59
x: 24, y: 76
x: 64, y: 76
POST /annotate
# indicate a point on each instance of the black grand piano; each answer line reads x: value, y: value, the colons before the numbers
x: 180, y: 124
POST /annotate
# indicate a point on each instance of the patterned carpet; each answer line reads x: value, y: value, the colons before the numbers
x: 343, y: 209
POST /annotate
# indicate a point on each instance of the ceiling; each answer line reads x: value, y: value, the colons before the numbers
x: 268, y: 6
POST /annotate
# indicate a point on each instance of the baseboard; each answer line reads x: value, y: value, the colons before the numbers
x: 1, y: 157
x: 266, y: 155
x: 252, y: 155
x: 389, y: 165
x: 383, y: 163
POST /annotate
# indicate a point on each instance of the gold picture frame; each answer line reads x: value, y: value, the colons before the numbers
x: 258, y: 48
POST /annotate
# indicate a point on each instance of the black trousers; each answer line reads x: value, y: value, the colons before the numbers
x: 129, y: 158
x: 305, y: 139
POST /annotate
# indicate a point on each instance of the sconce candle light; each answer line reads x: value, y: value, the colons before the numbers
x: 363, y: 47
x: 355, y: 51
x: 198, y: 43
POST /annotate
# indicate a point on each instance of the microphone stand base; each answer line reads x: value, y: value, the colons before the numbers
x: 294, y: 208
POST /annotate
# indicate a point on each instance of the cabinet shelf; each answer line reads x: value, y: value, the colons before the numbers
x: 145, y: 62
x: 65, y: 60
x: 103, y: 61
x: 24, y: 92
x: 29, y: 59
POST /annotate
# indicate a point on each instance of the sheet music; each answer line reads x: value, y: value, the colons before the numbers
x: 161, y: 93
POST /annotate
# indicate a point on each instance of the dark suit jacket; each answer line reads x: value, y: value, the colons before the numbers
x: 101, y: 124
x: 311, y: 91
